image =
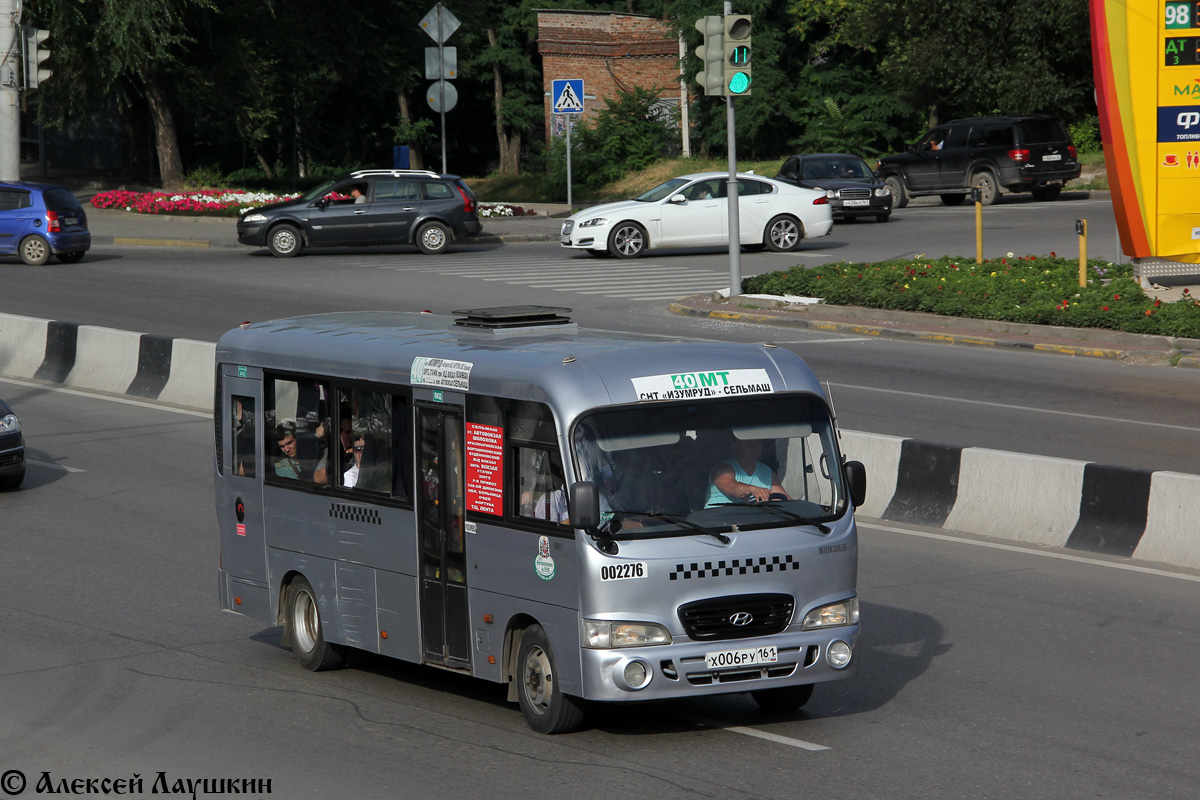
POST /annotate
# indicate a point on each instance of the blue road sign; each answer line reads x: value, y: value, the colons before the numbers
x: 567, y: 96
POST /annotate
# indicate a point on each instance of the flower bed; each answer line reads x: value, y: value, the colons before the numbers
x: 197, y: 201
x: 503, y: 210
x: 1031, y: 289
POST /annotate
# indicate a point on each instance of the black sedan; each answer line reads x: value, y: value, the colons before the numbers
x: 847, y: 181
x: 12, y: 449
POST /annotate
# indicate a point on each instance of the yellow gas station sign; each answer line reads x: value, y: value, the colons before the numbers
x: 1146, y: 57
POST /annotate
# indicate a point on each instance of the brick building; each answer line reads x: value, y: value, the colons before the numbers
x: 610, y: 52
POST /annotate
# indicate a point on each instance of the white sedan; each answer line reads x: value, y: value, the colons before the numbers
x: 693, y: 211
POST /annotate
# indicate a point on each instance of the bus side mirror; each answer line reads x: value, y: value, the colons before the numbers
x: 585, y: 505
x: 856, y: 482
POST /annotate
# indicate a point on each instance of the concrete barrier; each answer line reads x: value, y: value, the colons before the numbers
x: 105, y: 359
x: 1056, y: 502
x: 22, y: 344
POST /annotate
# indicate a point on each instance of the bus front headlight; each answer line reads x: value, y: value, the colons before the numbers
x: 603, y: 634
x: 844, y: 612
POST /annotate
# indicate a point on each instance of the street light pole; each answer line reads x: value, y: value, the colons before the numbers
x: 10, y: 97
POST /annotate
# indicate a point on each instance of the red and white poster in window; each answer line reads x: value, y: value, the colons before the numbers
x: 485, y: 468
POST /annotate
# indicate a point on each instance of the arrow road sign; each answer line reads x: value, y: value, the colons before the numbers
x: 567, y: 96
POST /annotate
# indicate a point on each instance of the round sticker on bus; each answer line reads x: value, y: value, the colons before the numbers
x: 544, y: 564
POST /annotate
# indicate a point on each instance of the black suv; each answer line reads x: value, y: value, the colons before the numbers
x: 369, y: 207
x: 1022, y: 154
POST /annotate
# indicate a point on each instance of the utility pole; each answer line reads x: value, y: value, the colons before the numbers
x: 10, y: 96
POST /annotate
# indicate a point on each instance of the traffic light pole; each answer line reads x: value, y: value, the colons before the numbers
x: 735, y: 235
x: 10, y: 113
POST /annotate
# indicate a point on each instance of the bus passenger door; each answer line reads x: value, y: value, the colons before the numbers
x: 243, y: 540
x: 441, y: 506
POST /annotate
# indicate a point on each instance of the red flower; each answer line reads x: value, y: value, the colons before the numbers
x: 1116, y: 297
x: 1104, y: 308
x: 1149, y: 311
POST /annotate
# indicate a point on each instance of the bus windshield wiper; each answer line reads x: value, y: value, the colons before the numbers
x: 773, y: 505
x: 679, y: 518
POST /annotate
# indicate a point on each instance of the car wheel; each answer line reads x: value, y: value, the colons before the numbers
x: 34, y: 250
x: 546, y: 708
x: 985, y: 182
x: 896, y: 187
x: 1047, y: 194
x: 882, y: 217
x: 953, y: 199
x: 302, y: 625
x: 433, y: 238
x: 783, y: 234
x: 70, y: 258
x: 285, y: 241
x: 628, y: 240
x: 784, y: 698
x: 12, y: 481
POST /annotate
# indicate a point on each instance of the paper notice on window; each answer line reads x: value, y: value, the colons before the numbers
x: 485, y: 468
x: 441, y: 372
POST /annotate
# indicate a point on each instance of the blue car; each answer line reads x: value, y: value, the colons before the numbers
x: 39, y: 219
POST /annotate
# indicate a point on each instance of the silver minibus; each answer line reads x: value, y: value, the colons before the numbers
x: 582, y: 516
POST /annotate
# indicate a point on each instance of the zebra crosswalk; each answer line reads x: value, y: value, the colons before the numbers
x: 627, y: 280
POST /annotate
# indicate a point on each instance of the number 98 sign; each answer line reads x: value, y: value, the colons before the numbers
x: 1181, y: 15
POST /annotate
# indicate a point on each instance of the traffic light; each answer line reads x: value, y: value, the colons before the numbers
x: 736, y: 80
x: 35, y: 54
x: 712, y: 54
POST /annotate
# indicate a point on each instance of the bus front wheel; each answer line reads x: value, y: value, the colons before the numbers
x: 302, y: 624
x: 546, y: 708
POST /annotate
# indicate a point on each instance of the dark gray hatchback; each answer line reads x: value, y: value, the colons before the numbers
x: 1022, y: 154
x: 12, y: 449
x: 369, y: 207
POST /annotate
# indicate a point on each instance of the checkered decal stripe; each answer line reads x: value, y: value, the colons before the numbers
x: 355, y: 514
x: 749, y: 566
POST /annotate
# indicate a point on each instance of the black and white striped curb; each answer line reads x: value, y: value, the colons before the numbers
x: 1078, y: 505
x: 176, y: 371
x: 1130, y: 513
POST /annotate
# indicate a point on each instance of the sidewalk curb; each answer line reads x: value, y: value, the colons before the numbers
x: 1162, y: 357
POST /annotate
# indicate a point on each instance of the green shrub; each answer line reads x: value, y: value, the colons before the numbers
x: 1086, y: 134
x: 204, y: 178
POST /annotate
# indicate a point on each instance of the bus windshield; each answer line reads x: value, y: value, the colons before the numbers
x: 721, y: 465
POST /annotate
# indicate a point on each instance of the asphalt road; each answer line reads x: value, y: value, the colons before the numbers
x: 1077, y: 408
x: 987, y: 671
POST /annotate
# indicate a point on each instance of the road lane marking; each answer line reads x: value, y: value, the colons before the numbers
x: 945, y: 537
x: 757, y: 734
x: 1010, y: 407
x: 49, y: 465
x: 98, y: 396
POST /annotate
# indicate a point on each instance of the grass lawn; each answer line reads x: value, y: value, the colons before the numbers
x: 1030, y: 289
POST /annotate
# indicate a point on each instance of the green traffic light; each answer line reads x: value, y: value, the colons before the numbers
x: 739, y: 83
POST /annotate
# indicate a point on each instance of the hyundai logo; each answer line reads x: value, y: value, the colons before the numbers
x: 741, y: 619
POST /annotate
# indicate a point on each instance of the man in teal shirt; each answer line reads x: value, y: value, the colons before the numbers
x: 730, y: 481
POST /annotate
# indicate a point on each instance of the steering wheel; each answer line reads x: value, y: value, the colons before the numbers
x: 779, y: 496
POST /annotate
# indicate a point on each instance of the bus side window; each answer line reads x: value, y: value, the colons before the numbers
x: 371, y: 426
x: 541, y: 489
x: 242, y: 427
x: 294, y: 411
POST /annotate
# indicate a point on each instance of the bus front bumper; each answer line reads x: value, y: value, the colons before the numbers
x: 680, y: 669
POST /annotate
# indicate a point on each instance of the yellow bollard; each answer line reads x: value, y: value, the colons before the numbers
x: 975, y: 195
x: 1081, y: 229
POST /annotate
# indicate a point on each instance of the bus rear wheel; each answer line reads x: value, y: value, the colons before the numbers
x: 302, y: 624
x: 546, y: 708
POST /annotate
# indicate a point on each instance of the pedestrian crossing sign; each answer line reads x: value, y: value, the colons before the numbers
x: 567, y: 96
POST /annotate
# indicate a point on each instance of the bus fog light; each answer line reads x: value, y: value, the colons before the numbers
x: 636, y: 674
x: 838, y: 654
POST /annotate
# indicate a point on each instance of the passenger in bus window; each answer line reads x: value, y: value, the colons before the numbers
x: 344, y: 449
x: 743, y: 477
x: 285, y: 438
x: 369, y: 472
